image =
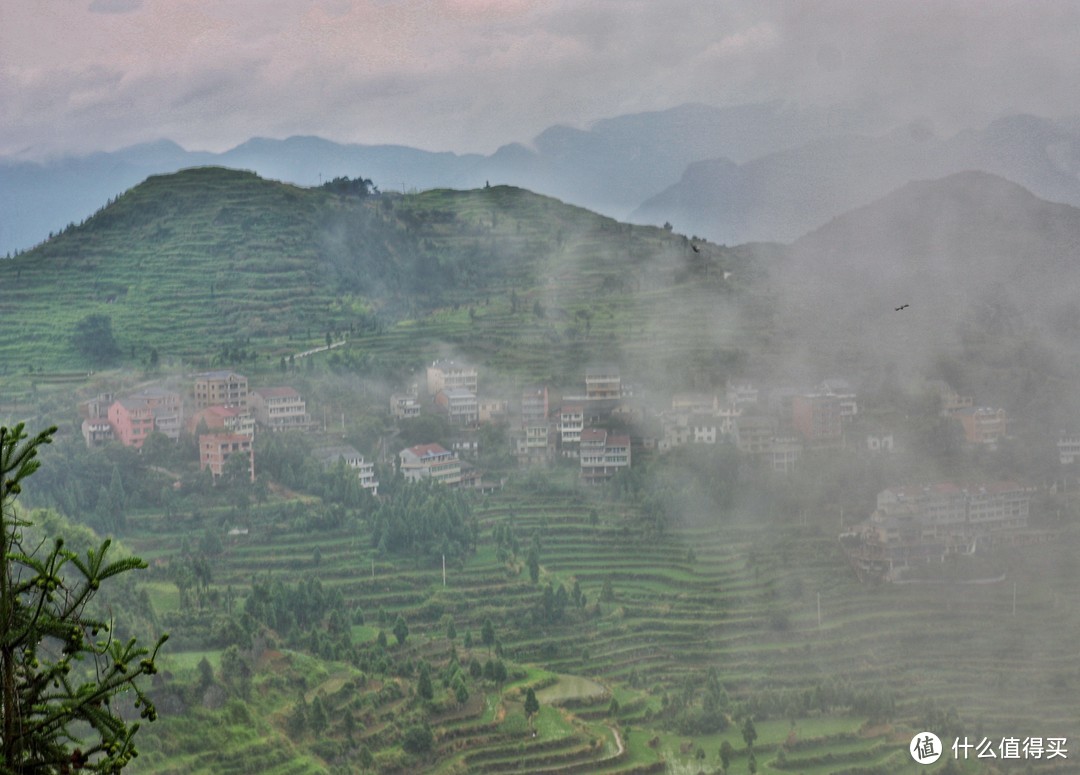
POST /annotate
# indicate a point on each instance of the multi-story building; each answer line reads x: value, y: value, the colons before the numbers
x: 754, y: 434
x: 571, y: 422
x: 603, y: 455
x: 694, y: 403
x: 816, y: 418
x: 534, y: 443
x: 231, y: 419
x: 280, y: 409
x: 466, y: 446
x: 1068, y: 448
x: 783, y: 454
x: 845, y: 395
x: 459, y: 404
x: 132, y: 421
x: 492, y: 409
x: 919, y: 524
x: 741, y: 394
x: 329, y: 457
x: 445, y: 374
x: 221, y: 388
x: 534, y: 404
x: 430, y: 461
x: 216, y: 448
x: 602, y: 382
x: 167, y: 407
x: 404, y: 406
x: 97, y: 431
x: 704, y: 428
x: 982, y: 425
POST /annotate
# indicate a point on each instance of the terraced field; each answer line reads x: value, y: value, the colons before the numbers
x: 744, y: 601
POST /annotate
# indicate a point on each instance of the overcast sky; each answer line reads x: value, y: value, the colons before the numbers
x: 470, y: 75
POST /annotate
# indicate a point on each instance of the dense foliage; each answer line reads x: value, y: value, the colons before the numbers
x: 425, y: 519
x: 60, y: 665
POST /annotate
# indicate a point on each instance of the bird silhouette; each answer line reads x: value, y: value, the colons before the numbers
x: 902, y: 306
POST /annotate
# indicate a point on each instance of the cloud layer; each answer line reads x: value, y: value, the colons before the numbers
x: 469, y: 75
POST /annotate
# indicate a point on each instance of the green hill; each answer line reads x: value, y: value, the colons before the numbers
x: 206, y: 257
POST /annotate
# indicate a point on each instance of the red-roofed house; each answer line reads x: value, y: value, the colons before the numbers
x: 223, y: 418
x: 430, y: 461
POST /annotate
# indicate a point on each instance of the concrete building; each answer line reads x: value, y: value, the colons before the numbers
x: 534, y: 404
x: 280, y: 409
x: 97, y: 431
x: 216, y: 448
x: 430, y: 461
x: 132, y: 421
x: 443, y: 374
x: 571, y: 421
x: 404, y: 406
x: 221, y: 388
x: 329, y: 457
x: 459, y: 404
x: 602, y: 455
x: 230, y: 419
x: 982, y: 425
x: 534, y: 443
x: 754, y: 434
x: 602, y: 382
x: 492, y: 410
x: 816, y: 418
x: 919, y: 524
x: 1068, y: 448
x: 844, y: 393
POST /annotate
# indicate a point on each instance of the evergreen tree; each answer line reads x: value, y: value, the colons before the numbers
x: 46, y: 692
x: 534, y: 563
x: 297, y: 722
x: 319, y: 719
x: 423, y: 685
x: 487, y: 633
x: 401, y: 630
x: 532, y: 705
x: 749, y: 732
x: 726, y: 752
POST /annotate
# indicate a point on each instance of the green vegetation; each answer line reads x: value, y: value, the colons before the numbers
x: 670, y: 618
x: 61, y: 665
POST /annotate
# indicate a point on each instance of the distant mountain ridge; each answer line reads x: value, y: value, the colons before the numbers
x: 610, y: 168
x: 782, y: 195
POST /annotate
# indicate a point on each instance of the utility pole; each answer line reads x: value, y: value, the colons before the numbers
x: 444, y: 574
x: 819, y: 610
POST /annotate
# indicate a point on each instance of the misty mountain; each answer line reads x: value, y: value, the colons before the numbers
x: 787, y: 193
x: 989, y: 271
x: 610, y: 168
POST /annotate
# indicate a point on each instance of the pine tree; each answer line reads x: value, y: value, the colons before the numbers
x: 45, y: 692
x: 401, y: 630
x: 532, y: 705
x: 423, y: 686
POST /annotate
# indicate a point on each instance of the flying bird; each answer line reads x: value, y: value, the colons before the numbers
x: 902, y: 306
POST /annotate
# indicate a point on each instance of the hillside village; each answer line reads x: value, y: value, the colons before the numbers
x: 600, y: 426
